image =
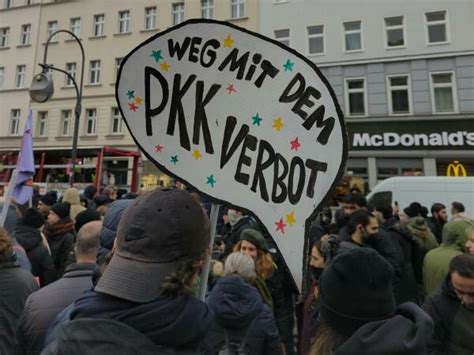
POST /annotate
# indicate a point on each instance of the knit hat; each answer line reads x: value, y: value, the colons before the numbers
x: 49, y: 198
x: 33, y: 218
x: 366, y: 277
x: 413, y: 210
x: 86, y: 216
x: 240, y: 264
x: 90, y: 191
x: 254, y: 237
x: 62, y: 209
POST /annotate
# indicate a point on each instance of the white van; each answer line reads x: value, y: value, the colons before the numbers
x: 426, y: 190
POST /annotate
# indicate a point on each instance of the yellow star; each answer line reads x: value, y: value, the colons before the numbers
x: 277, y: 124
x: 290, y: 218
x: 164, y: 66
x: 138, y: 100
x: 197, y: 154
x: 228, y: 41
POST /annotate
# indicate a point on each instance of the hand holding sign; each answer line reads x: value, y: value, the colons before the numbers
x: 241, y: 118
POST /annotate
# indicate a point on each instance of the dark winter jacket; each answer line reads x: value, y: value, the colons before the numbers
x: 454, y: 324
x: 239, y: 310
x: 422, y: 234
x: 436, y: 227
x: 16, y: 285
x: 43, y: 306
x: 233, y: 237
x: 407, y: 333
x: 61, y: 245
x: 42, y: 264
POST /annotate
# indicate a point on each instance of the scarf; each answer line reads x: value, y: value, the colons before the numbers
x: 58, y: 229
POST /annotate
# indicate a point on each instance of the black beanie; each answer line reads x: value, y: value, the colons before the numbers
x: 356, y: 288
x: 254, y: 237
x: 33, y: 218
x: 49, y: 198
x: 86, y: 216
x: 62, y: 209
x: 414, y: 210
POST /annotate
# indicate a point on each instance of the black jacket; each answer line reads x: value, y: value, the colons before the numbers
x: 61, y: 246
x: 42, y: 264
x: 239, y: 310
x: 233, y: 237
x: 454, y: 324
x: 16, y: 285
x: 43, y: 306
x: 436, y: 228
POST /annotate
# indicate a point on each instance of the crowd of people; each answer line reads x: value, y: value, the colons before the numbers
x: 109, y: 273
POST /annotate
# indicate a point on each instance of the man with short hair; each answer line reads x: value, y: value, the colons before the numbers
x: 43, y: 306
x: 458, y: 211
x: 352, y: 202
x: 452, y: 310
x: 362, y: 225
x: 439, y: 217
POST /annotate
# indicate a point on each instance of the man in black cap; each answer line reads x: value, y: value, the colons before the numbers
x: 46, y: 201
x: 143, y: 302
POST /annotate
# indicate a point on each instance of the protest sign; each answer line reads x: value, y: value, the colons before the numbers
x: 240, y: 117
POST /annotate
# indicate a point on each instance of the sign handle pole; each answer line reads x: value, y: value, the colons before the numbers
x: 207, y: 261
x: 7, y: 197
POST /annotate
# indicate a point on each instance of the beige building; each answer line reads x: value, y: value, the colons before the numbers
x: 108, y: 30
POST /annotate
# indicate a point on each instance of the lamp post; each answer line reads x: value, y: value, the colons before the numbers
x: 42, y: 90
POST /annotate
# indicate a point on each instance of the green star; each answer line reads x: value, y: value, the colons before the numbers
x: 210, y: 180
x: 156, y: 55
x: 288, y: 65
x: 256, y: 120
x: 131, y: 94
x: 174, y: 159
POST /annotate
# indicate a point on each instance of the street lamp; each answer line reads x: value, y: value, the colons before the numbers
x: 42, y: 90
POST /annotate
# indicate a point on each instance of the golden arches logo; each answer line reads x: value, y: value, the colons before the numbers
x: 456, y: 169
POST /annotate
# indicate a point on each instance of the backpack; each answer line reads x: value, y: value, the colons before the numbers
x: 236, y: 347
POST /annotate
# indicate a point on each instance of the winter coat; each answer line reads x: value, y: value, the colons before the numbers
x: 406, y: 333
x: 72, y: 196
x: 42, y: 264
x: 453, y: 323
x: 43, y: 306
x: 16, y: 285
x: 422, y: 234
x: 436, y: 227
x: 238, y: 311
x: 233, y: 237
x: 61, y: 240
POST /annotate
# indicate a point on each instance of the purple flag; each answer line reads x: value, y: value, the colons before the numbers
x: 23, y: 189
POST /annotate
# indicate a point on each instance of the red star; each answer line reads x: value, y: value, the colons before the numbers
x: 230, y: 89
x: 132, y: 107
x: 280, y: 226
x: 295, y: 144
x: 158, y: 148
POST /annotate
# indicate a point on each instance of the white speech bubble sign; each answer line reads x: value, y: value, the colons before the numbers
x: 241, y: 118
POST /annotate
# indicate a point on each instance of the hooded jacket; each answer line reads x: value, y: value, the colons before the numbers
x: 239, y: 310
x: 422, y: 234
x: 453, y: 323
x: 61, y: 244
x: 406, y: 333
x: 71, y: 195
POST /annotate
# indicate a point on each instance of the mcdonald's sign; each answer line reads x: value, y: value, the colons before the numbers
x: 456, y: 169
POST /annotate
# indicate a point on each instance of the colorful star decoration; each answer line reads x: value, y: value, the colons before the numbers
x: 156, y: 55
x: 197, y: 154
x: 290, y: 218
x: 158, y: 148
x: 174, y: 159
x: 228, y: 41
x: 280, y: 226
x: 288, y: 65
x: 256, y: 120
x: 230, y: 89
x: 133, y: 107
x: 138, y: 100
x: 210, y: 180
x: 278, y: 124
x: 295, y: 144
x: 131, y: 94
x: 165, y: 66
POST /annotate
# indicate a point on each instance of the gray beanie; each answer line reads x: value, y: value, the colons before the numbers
x: 240, y: 264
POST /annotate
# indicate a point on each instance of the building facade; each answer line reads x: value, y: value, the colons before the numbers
x: 108, y: 30
x: 403, y: 73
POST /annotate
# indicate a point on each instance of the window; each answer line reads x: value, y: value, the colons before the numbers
x: 42, y: 124
x: 25, y: 34
x: 207, y: 9
x: 75, y: 26
x: 118, y: 61
x: 20, y: 76
x: 52, y: 27
x: 4, y: 34
x: 394, y: 32
x: 71, y: 69
x: 66, y: 122
x: 178, y: 13
x: 237, y: 8
x: 352, y: 36
x: 14, y: 122
x: 28, y: 2
x: 443, y: 93
x: 8, y: 4
x: 99, y: 25
x: 91, y: 119
x: 399, y: 96
x: 150, y: 18
x: 356, y: 97
x: 283, y: 36
x: 2, y: 76
x: 94, y: 72
x: 116, y: 121
x: 315, y: 39
x: 436, y: 25
x: 124, y: 22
